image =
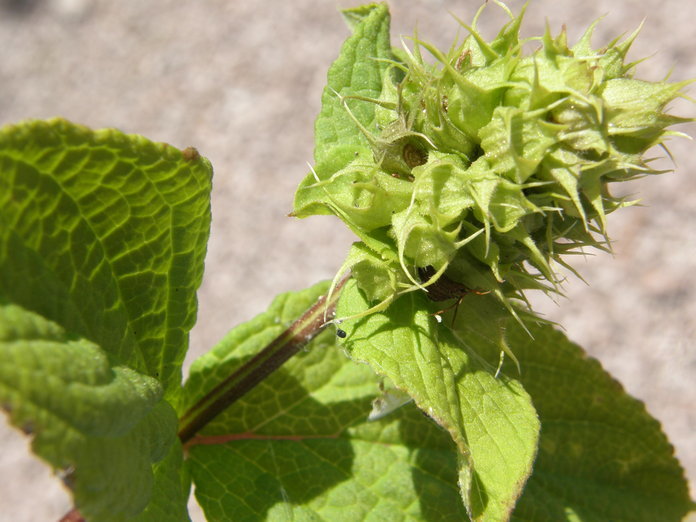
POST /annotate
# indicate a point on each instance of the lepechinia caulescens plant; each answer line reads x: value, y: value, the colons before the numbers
x: 468, y: 176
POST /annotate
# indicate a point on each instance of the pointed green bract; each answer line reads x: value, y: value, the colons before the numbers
x: 299, y: 446
x: 452, y: 379
x: 466, y: 176
x: 102, y: 240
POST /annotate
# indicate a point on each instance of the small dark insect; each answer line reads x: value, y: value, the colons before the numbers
x: 414, y: 155
x: 445, y: 289
x: 341, y: 333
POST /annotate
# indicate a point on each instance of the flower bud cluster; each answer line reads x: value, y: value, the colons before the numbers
x: 489, y: 164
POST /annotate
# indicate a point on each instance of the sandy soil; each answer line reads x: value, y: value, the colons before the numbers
x: 241, y: 81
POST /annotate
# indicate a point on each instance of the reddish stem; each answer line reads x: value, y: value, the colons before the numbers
x: 268, y: 360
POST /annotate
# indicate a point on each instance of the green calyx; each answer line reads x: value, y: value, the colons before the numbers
x: 488, y: 164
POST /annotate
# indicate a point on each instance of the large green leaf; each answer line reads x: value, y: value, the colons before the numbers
x: 102, y: 240
x: 601, y: 455
x: 299, y: 446
x: 490, y: 418
x: 105, y: 234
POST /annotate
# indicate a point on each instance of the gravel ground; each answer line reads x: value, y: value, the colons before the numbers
x: 241, y: 81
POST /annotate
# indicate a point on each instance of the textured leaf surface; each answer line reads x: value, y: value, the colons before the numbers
x: 601, y: 455
x: 171, y: 489
x: 102, y: 239
x: 491, y: 419
x: 102, y: 427
x: 299, y: 445
x: 105, y: 234
x: 357, y: 71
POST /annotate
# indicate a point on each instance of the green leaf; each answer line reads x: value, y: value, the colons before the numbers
x: 101, y: 427
x: 171, y: 489
x: 491, y: 420
x: 359, y: 70
x: 601, y: 455
x: 105, y: 234
x: 299, y: 446
x: 102, y: 240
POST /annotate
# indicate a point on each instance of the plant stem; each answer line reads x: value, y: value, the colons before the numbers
x: 272, y: 357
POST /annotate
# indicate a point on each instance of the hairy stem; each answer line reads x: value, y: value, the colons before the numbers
x: 272, y: 357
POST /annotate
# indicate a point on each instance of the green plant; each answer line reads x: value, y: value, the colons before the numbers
x: 464, y: 180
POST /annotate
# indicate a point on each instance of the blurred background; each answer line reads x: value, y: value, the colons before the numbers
x: 241, y: 81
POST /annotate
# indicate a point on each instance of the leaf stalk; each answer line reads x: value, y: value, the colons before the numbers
x: 258, y: 368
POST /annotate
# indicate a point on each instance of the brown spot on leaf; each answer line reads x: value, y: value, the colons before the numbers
x: 190, y: 154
